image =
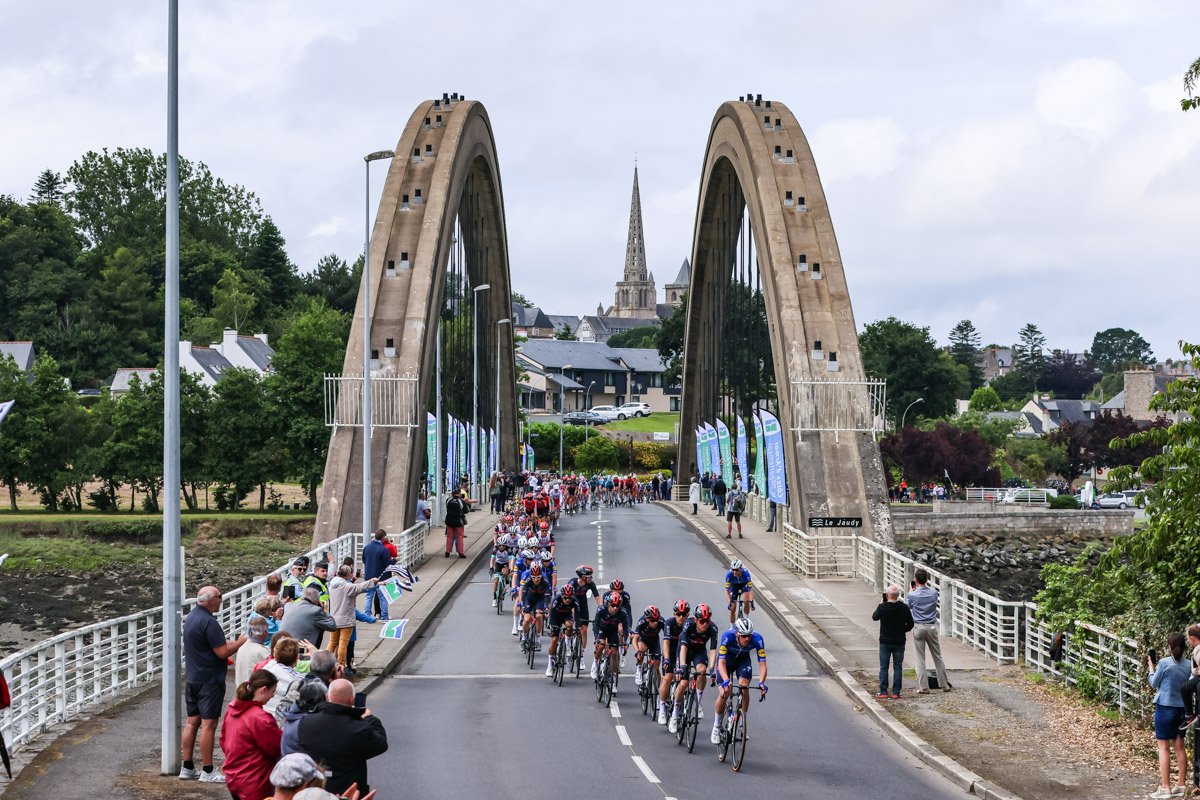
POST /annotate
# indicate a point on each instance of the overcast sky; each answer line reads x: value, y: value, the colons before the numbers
x: 1007, y: 162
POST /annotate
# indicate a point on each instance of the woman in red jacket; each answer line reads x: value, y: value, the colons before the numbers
x: 250, y: 739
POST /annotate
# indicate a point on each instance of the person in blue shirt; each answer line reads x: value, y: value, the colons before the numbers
x: 534, y: 599
x: 733, y: 660
x: 738, y: 585
x: 1168, y: 676
x: 376, y: 559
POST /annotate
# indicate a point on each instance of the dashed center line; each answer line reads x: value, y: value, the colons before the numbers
x: 645, y: 768
x: 623, y: 735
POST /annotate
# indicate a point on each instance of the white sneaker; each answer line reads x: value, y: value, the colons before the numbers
x: 614, y: 691
x: 549, y: 667
x: 212, y: 777
x: 1160, y: 794
x: 637, y: 677
x: 493, y: 602
x: 700, y: 712
x: 595, y: 670
x: 674, y: 726
x: 662, y: 716
x: 186, y: 774
x: 716, y: 736
x: 514, y: 626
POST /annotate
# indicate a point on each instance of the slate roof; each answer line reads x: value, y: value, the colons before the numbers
x: 211, y: 361
x: 664, y: 310
x: 532, y: 317
x: 641, y: 359
x: 1071, y: 410
x: 1117, y: 403
x: 560, y: 321
x: 121, y: 380
x: 553, y: 354
x: 607, y: 326
x: 564, y: 381
x: 259, y: 351
x: 684, y: 277
x: 22, y: 353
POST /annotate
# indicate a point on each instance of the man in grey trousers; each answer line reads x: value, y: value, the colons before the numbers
x: 923, y: 601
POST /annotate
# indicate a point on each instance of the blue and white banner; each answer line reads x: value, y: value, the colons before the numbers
x: 699, y: 452
x: 760, y: 463
x: 5, y: 407
x: 451, y: 452
x: 776, y: 471
x: 714, y: 449
x: 472, y: 452
x: 462, y: 450
x: 430, y: 451
x: 726, y: 450
x: 493, y: 459
x: 743, y: 455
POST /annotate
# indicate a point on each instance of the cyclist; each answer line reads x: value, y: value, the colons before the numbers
x: 572, y: 488
x: 608, y: 490
x: 543, y: 505
x: 529, y: 504
x: 545, y: 537
x: 609, y: 626
x: 499, y: 563
x: 647, y: 640
x: 534, y: 598
x: 738, y: 585
x: 582, y: 584
x: 670, y: 649
x: 549, y: 567
x: 697, y: 646
x: 562, y: 620
x: 733, y: 660
x: 618, y: 586
x: 521, y: 560
x: 556, y: 496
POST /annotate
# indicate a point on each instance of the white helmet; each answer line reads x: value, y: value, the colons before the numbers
x: 736, y: 564
x: 544, y: 555
x: 744, y: 626
x: 522, y: 542
x: 528, y: 554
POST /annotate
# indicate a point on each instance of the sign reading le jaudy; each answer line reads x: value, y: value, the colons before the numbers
x: 835, y: 522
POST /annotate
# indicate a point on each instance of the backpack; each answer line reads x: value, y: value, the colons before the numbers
x: 739, y: 504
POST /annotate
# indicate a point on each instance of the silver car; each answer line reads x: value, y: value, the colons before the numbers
x: 1116, y: 500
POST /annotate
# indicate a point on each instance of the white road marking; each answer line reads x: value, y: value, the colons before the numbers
x: 623, y: 736
x: 810, y: 597
x: 615, y: 709
x: 641, y: 764
x: 769, y: 594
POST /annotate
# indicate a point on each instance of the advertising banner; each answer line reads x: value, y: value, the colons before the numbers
x: 776, y: 471
x: 430, y: 448
x: 451, y: 452
x: 743, y: 455
x: 724, y: 445
x: 714, y: 449
x: 760, y: 458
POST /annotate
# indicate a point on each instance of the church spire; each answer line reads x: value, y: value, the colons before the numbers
x: 635, y: 248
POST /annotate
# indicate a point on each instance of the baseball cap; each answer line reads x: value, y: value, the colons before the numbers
x: 294, y: 770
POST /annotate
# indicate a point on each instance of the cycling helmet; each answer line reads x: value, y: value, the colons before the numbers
x: 583, y: 571
x: 652, y: 614
x: 683, y: 607
x: 528, y: 554
x: 508, y: 518
x: 617, y: 585
x: 567, y: 591
x: 743, y: 626
x: 613, y: 599
x: 535, y: 571
x: 545, y: 526
x: 545, y: 555
x: 703, y: 612
x: 736, y: 564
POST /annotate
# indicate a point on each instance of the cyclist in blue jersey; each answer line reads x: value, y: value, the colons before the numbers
x: 609, y: 628
x: 670, y: 648
x: 562, y: 620
x: 520, y: 561
x: 549, y: 567
x: 733, y: 661
x: 697, y: 645
x: 534, y: 599
x: 582, y: 584
x: 738, y: 586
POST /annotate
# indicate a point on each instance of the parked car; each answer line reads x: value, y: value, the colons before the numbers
x: 1115, y: 500
x: 88, y: 393
x: 1132, y: 496
x: 584, y: 418
x: 634, y: 410
x: 608, y: 412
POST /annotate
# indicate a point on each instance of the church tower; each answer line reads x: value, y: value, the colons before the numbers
x: 636, y: 296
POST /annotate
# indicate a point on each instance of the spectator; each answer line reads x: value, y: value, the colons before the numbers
x: 423, y: 512
x: 923, y: 603
x: 770, y: 516
x: 495, y: 492
x: 343, y: 737
x: 359, y: 617
x: 375, y: 560
x: 206, y: 653
x: 323, y: 666
x: 719, y: 492
x: 456, y: 521
x: 254, y: 651
x: 294, y: 773
x: 895, y: 621
x: 306, y: 619
x: 250, y: 738
x: 319, y: 578
x: 737, y: 504
x: 1168, y: 677
x: 308, y: 699
x: 283, y: 666
x: 342, y: 591
x: 293, y: 585
x: 274, y: 585
x: 269, y: 608
x: 1189, y: 688
x: 705, y: 489
x: 655, y: 485
x: 694, y: 495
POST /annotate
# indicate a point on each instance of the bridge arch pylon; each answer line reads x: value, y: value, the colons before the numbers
x: 760, y: 194
x: 438, y: 232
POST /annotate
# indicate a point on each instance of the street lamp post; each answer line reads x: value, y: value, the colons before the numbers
x: 905, y: 414
x: 378, y: 155
x: 499, y: 322
x: 587, y: 423
x: 562, y: 415
x: 475, y: 377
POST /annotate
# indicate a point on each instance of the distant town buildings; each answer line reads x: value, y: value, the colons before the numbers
x: 210, y: 362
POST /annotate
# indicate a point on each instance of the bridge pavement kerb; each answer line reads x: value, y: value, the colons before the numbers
x: 831, y: 620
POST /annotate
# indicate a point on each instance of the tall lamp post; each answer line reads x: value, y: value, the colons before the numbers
x: 378, y: 155
x: 587, y: 423
x: 562, y: 415
x: 475, y: 377
x: 905, y: 414
x: 499, y: 322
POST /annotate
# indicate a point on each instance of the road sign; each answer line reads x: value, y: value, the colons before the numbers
x: 662, y: 436
x: 835, y: 522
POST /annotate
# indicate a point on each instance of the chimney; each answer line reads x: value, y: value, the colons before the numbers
x: 262, y: 337
x: 228, y: 339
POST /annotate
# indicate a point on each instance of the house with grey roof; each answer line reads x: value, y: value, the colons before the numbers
x: 592, y: 373
x: 1134, y: 400
x: 996, y: 361
x: 210, y: 363
x: 1051, y: 414
x: 601, y: 329
x: 559, y: 323
x: 125, y: 375
x: 20, y: 352
x: 531, y: 322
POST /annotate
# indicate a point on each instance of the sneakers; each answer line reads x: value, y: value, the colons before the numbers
x: 662, y: 716
x: 922, y: 691
x: 1178, y: 791
x: 186, y: 774
x: 493, y: 602
x: 537, y: 645
x: 895, y: 697
x: 1160, y: 794
x: 700, y: 712
x: 550, y: 667
x: 673, y: 727
x: 716, y: 736
x: 595, y: 670
x: 881, y: 696
x: 614, y: 691
x: 515, y: 626
x: 637, y: 677
x: 212, y: 777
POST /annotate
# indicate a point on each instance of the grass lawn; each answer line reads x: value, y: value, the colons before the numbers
x: 655, y: 422
x: 36, y: 515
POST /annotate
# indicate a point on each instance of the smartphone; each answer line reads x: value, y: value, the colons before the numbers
x: 1153, y: 656
x: 360, y: 700
x: 884, y: 596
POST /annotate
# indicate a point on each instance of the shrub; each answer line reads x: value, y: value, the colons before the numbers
x: 596, y: 454
x: 1064, y: 502
x: 137, y: 530
x: 646, y: 456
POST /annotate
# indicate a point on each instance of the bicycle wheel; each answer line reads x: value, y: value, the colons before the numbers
x: 644, y: 695
x: 501, y: 590
x: 601, y: 682
x: 693, y: 724
x: 739, y: 741
x: 559, y: 669
x: 723, y: 747
x: 530, y: 650
x: 684, y: 717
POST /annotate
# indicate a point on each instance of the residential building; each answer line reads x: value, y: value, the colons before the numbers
x: 531, y: 322
x: 121, y: 381
x: 560, y: 323
x: 22, y: 353
x: 591, y: 374
x: 601, y: 329
x: 996, y: 361
x: 209, y: 363
x: 1140, y: 386
x: 1053, y: 413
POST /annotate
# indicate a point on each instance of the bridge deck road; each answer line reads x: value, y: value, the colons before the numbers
x: 467, y: 717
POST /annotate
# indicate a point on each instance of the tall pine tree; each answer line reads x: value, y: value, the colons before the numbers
x: 1032, y: 364
x: 49, y: 188
x: 964, y: 349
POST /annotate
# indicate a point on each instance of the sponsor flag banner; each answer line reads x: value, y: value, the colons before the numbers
x: 776, y: 472
x: 529, y: 457
x: 743, y: 455
x: 760, y: 462
x: 462, y: 450
x: 699, y: 454
x: 5, y: 407
x: 473, y: 452
x: 430, y: 448
x: 391, y: 590
x: 724, y: 446
x: 393, y: 629
x: 714, y: 449
x: 706, y: 451
x: 451, y: 451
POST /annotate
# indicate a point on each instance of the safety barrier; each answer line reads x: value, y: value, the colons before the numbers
x: 87, y: 668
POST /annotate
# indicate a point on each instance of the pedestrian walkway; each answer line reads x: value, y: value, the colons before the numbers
x: 117, y: 752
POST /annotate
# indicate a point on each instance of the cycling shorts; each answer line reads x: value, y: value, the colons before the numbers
x: 669, y: 653
x: 695, y: 659
x: 610, y: 634
x: 653, y: 645
x: 534, y: 603
x: 557, y: 618
x: 741, y: 668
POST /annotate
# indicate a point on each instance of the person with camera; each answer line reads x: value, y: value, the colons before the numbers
x: 1168, y: 676
x: 895, y: 621
x: 923, y: 602
x: 342, y: 736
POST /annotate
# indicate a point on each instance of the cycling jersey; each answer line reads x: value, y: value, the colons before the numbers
x: 650, y: 635
x: 581, y: 590
x: 731, y: 651
x: 736, y: 585
x: 607, y: 625
x: 531, y: 588
x: 627, y: 609
x: 550, y: 570
x: 561, y: 610
x: 697, y: 642
x: 671, y: 631
x: 545, y: 539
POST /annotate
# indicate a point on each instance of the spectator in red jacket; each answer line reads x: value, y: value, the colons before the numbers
x: 250, y: 739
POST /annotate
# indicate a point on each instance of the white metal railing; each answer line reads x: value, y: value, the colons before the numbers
x: 393, y: 401
x: 83, y: 669
x: 818, y: 555
x: 838, y: 405
x: 1009, y: 495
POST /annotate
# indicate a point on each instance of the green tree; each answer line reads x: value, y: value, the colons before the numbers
x: 1032, y: 361
x: 567, y: 335
x: 195, y: 424
x: 907, y: 357
x: 268, y: 259
x: 1074, y: 438
x: 1068, y: 375
x: 335, y: 283
x: 239, y: 432
x: 14, y: 386
x: 42, y: 455
x: 125, y: 313
x: 233, y: 300
x: 1190, y: 78
x: 985, y: 399
x: 597, y: 454
x: 646, y: 337
x: 1012, y: 386
x: 1117, y: 348
x: 521, y: 300
x: 313, y: 345
x: 670, y: 342
x: 1111, y: 385
x: 964, y: 349
x: 134, y: 450
x: 49, y: 188
x: 201, y: 265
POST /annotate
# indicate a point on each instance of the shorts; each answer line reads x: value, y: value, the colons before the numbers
x: 696, y: 659
x: 733, y: 516
x: 205, y: 700
x: 1166, y: 722
x: 610, y: 634
x: 669, y: 654
x: 739, y: 669
x: 535, y: 603
x: 653, y: 645
x: 557, y: 618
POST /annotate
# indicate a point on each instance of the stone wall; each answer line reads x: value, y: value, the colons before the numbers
x: 1033, y: 522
